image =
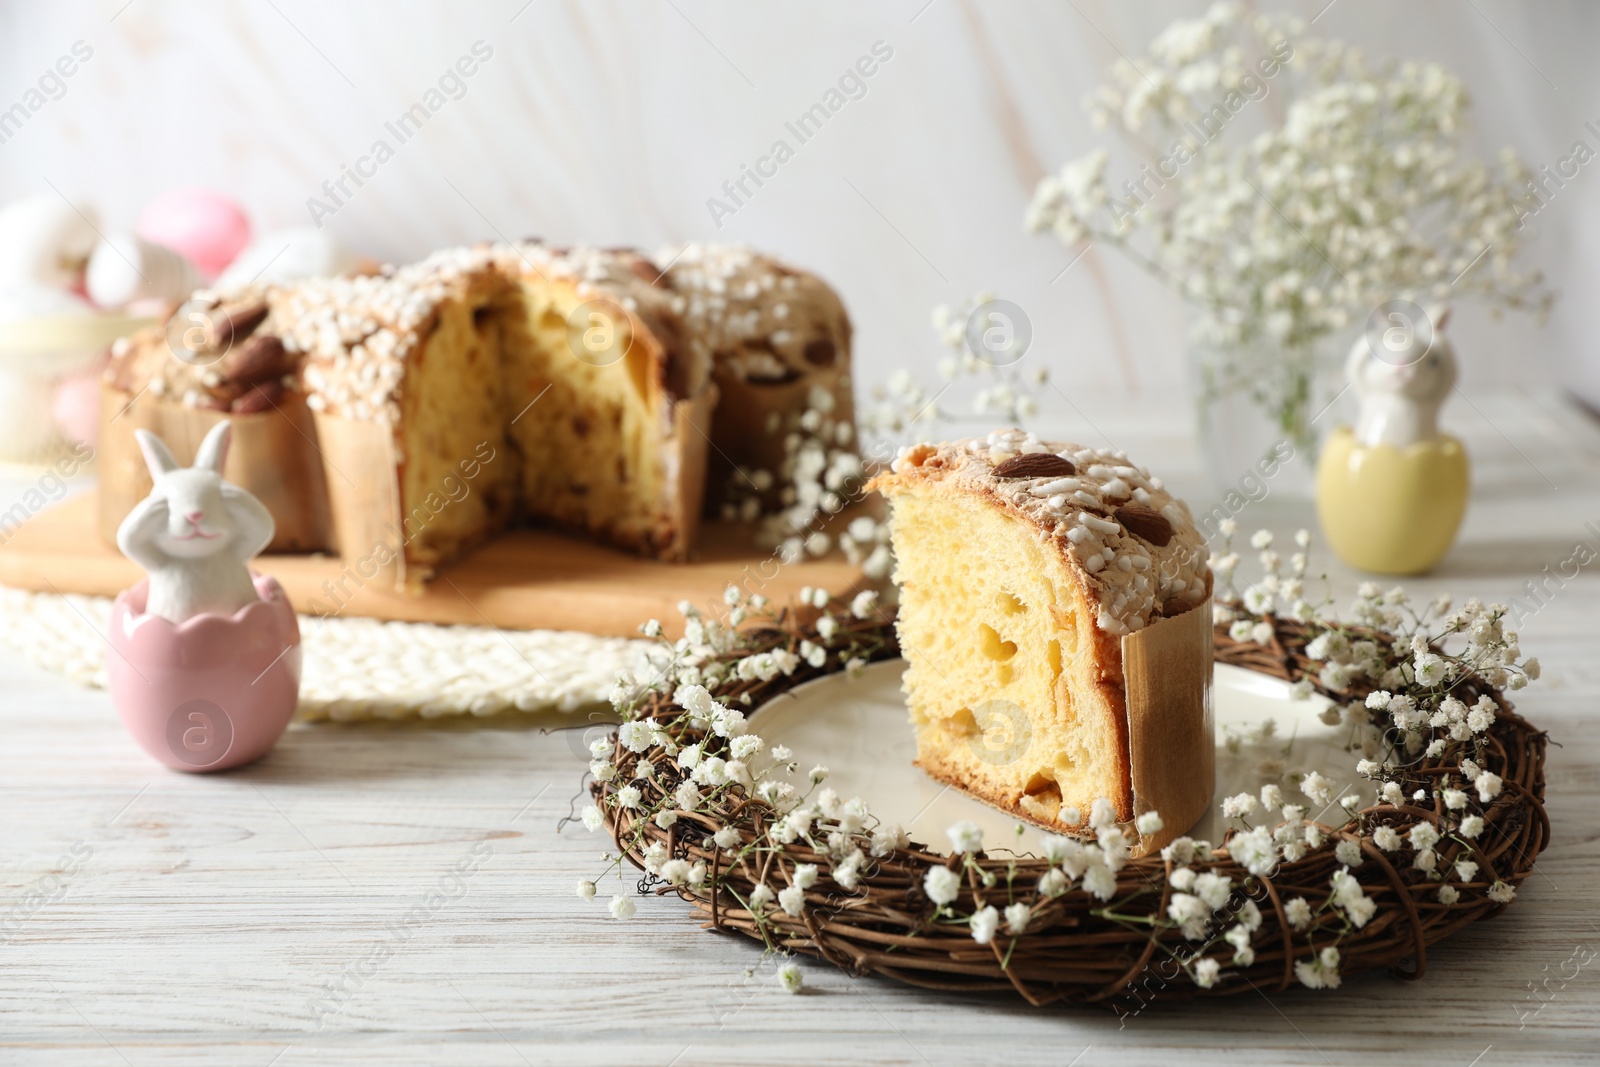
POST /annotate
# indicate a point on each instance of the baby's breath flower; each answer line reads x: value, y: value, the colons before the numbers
x: 1322, y: 972
x: 1053, y: 883
x: 1100, y: 881
x: 666, y: 819
x: 586, y: 889
x: 1472, y: 826
x: 790, y: 980
x: 792, y: 899
x: 1148, y: 823
x: 1317, y: 787
x: 1298, y: 912
x: 1102, y: 815
x: 623, y: 907
x: 1255, y: 850
x: 942, y: 885
x: 1424, y: 835
x: 1190, y: 913
x: 1431, y: 669
x: 1502, y: 892
x: 592, y: 818
x: 1212, y: 888
x: 984, y: 922
x: 1488, y: 785
x: 1017, y: 916
x: 1448, y: 894
x: 1348, y: 852
x: 886, y: 839
x: 1238, y: 806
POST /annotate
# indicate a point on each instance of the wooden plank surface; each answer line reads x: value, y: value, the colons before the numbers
x: 149, y: 917
x: 522, y: 580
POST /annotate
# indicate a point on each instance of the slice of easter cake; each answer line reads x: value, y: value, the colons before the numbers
x: 1050, y: 611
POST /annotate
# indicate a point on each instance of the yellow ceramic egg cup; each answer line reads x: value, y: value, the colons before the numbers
x: 1391, y: 510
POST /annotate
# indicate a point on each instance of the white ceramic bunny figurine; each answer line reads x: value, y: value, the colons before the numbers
x: 195, y: 533
x: 1401, y: 392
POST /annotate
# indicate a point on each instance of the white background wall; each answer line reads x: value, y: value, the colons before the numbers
x: 614, y: 122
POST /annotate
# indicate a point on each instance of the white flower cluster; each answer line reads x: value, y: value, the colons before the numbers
x: 1418, y: 677
x: 1357, y: 195
x: 711, y: 744
x: 820, y: 473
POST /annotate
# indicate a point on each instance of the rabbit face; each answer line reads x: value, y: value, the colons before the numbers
x: 197, y: 522
x: 195, y: 533
x: 1425, y: 380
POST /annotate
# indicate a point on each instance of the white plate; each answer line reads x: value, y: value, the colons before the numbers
x: 859, y: 729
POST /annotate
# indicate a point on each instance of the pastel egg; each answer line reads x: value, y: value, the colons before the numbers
x: 76, y: 406
x: 206, y: 227
x: 44, y: 240
x: 282, y: 256
x: 125, y: 269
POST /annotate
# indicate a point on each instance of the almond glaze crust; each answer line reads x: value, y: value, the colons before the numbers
x: 1022, y: 564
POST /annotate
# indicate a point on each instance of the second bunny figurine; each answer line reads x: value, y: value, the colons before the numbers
x: 204, y: 656
x: 1391, y: 492
x: 195, y: 533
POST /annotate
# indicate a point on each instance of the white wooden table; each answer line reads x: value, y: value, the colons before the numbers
x: 307, y: 910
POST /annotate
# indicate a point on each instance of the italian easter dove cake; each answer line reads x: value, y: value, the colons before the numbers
x: 1054, y: 598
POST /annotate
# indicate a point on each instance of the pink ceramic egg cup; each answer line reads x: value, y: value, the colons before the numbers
x: 212, y: 692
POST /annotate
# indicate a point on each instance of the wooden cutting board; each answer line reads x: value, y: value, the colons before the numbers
x: 522, y: 580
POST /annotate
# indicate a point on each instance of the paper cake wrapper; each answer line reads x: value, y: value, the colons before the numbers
x: 274, y: 455
x: 1172, y: 745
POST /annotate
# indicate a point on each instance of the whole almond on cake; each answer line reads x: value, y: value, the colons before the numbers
x: 1022, y: 564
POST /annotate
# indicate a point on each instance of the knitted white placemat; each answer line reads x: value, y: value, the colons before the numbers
x: 365, y: 668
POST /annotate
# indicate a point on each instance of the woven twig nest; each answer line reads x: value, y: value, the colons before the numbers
x: 866, y: 906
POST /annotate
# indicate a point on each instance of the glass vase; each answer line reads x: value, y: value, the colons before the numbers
x: 1261, y: 413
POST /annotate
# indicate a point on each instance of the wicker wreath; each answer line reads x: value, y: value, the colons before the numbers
x: 865, y: 899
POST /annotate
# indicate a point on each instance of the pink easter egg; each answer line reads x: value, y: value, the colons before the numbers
x: 207, y: 227
x: 76, y: 406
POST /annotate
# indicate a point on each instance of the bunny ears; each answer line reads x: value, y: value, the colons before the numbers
x: 211, y: 455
